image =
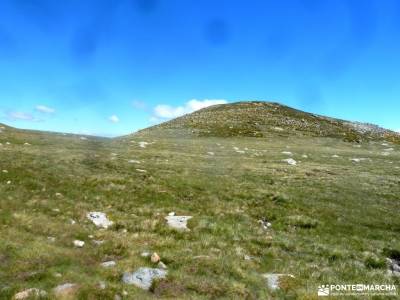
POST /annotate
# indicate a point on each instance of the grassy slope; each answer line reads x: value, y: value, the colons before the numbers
x: 348, y: 213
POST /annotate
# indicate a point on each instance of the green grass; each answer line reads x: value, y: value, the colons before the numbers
x: 333, y: 220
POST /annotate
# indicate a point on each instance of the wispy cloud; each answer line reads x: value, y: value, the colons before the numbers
x: 45, y: 109
x: 164, y: 111
x: 113, y: 119
x: 18, y: 115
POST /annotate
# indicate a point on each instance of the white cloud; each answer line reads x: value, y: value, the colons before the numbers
x: 45, y: 109
x: 164, y: 111
x: 18, y: 115
x: 113, y: 119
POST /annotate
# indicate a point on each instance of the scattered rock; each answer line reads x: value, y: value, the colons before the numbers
x: 394, y: 267
x: 172, y: 213
x: 264, y: 223
x: 357, y: 160
x: 9, y: 182
x: 178, y: 222
x: 98, y: 242
x: 66, y: 291
x: 30, y: 293
x: 51, y: 239
x: 161, y: 265
x: 108, y: 264
x: 72, y: 222
x: 304, y: 156
x: 335, y: 156
x: 79, y: 244
x: 145, y: 254
x: 155, y: 258
x: 290, y: 161
x: 5, y: 171
x: 211, y: 153
x: 287, y: 153
x: 141, y: 170
x: 143, y: 144
x: 143, y: 277
x: 102, y: 285
x: 273, y: 279
x: 27, y: 144
x: 99, y: 219
x: 133, y: 161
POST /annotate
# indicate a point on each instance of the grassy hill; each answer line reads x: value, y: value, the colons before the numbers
x: 262, y: 119
x: 334, y: 215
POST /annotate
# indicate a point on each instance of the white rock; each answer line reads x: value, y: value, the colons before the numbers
x: 335, y: 156
x: 357, y: 160
x: 211, y: 153
x: 83, y: 138
x: 304, y: 156
x: 30, y: 293
x: 143, y: 144
x: 8, y: 143
x: 273, y: 279
x: 178, y: 222
x: 145, y: 254
x: 161, y: 265
x: 99, y: 219
x: 79, y: 244
x: 102, y: 285
x: 133, y: 161
x: 27, y: 144
x: 240, y: 151
x: 108, y: 264
x: 172, y: 213
x: 141, y: 170
x: 65, y: 290
x: 9, y: 182
x: 143, y: 277
x: 5, y: 171
x: 287, y: 152
x: 290, y: 161
x: 98, y: 242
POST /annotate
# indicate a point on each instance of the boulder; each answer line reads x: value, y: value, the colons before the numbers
x: 99, y: 219
x: 143, y: 277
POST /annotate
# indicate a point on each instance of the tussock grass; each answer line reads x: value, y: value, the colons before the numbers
x: 333, y: 220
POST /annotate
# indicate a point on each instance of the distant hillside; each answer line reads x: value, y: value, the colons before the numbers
x: 260, y: 119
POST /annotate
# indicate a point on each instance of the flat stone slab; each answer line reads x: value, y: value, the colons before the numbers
x: 99, y: 219
x: 178, y: 222
x: 143, y: 277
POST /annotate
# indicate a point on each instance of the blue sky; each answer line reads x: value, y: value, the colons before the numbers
x: 110, y: 67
